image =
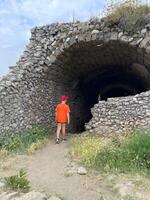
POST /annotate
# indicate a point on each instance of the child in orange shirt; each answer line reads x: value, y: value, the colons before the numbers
x: 62, y: 118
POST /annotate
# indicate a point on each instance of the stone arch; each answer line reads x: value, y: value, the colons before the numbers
x: 81, y: 60
x: 86, y: 63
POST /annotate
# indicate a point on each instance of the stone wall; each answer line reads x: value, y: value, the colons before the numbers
x: 56, y: 58
x: 120, y: 115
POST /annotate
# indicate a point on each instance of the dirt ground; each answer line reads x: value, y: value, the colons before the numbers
x: 51, y: 170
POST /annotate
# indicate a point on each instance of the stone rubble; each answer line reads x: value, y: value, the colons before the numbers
x: 120, y: 115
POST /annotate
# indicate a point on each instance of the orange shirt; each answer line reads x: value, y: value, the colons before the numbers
x: 61, y: 113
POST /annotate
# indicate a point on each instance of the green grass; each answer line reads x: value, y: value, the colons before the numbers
x: 121, y: 154
x: 18, y: 182
x: 22, y: 141
x: 87, y: 148
x: 60, y: 196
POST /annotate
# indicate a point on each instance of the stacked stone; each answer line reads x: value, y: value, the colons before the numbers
x: 29, y: 91
x: 120, y: 115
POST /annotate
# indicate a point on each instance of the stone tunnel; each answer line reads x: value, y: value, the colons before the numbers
x: 104, y: 71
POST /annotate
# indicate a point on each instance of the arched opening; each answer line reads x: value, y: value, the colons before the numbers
x: 93, y: 71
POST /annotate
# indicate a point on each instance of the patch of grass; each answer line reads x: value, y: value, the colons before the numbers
x: 128, y: 198
x: 130, y: 16
x: 6, y: 166
x: 133, y: 154
x: 101, y: 196
x: 36, y: 145
x: 60, y: 196
x: 123, y: 154
x: 22, y: 141
x: 3, y: 153
x: 87, y: 148
x: 18, y: 182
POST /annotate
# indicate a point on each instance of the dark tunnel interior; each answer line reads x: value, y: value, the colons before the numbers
x: 111, y: 84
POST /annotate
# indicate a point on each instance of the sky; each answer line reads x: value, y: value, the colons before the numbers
x: 17, y: 17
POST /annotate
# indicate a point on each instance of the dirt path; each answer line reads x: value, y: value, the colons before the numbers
x: 48, y: 172
x: 51, y: 170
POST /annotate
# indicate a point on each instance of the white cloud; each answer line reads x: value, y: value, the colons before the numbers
x: 52, y: 10
x: 17, y: 17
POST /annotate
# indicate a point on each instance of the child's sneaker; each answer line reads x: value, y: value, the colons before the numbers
x: 64, y: 139
x: 57, y: 141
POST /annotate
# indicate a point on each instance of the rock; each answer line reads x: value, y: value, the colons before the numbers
x: 143, y: 31
x: 88, y: 127
x: 82, y: 171
x: 147, y: 25
x: 54, y: 43
x: 125, y: 38
x: 68, y: 39
x: 114, y: 36
x: 120, y: 34
x: 95, y: 31
x: 139, y: 41
x: 145, y: 42
x: 130, y: 39
x: 1, y: 185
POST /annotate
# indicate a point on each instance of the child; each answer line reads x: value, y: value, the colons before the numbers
x: 62, y: 118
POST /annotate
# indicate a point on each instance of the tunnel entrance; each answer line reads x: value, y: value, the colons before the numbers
x: 96, y: 72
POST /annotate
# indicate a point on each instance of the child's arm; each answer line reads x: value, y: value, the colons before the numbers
x: 68, y: 117
x: 56, y: 114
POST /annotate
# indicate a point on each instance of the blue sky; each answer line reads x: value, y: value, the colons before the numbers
x: 17, y: 17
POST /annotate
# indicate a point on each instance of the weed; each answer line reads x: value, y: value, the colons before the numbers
x: 18, y: 182
x: 101, y: 196
x: 60, y: 196
x: 128, y: 198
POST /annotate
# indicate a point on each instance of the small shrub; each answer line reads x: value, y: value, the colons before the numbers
x: 130, y: 16
x: 18, y: 182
